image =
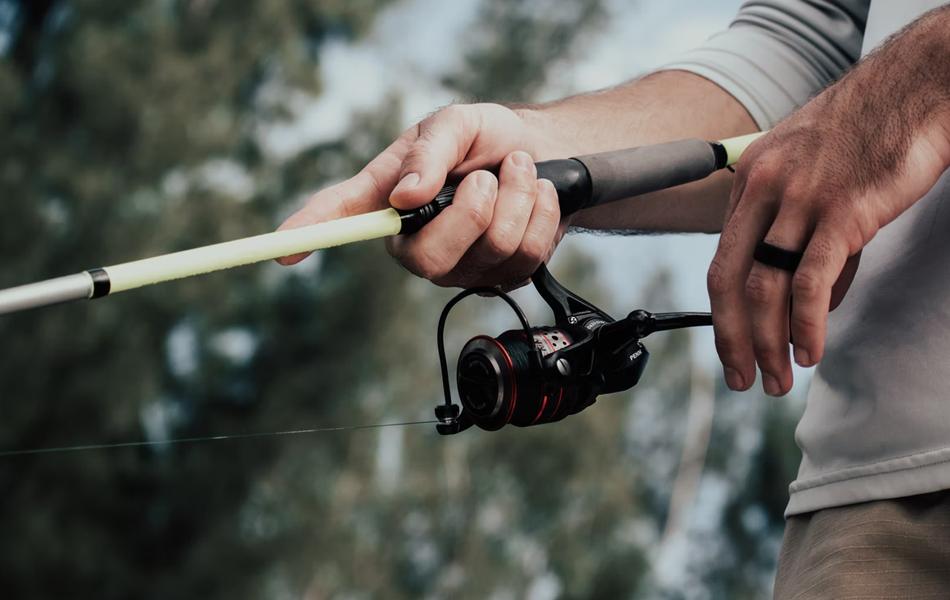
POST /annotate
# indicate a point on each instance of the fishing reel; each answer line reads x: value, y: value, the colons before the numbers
x: 536, y: 375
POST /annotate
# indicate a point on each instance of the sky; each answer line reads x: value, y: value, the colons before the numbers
x: 412, y: 43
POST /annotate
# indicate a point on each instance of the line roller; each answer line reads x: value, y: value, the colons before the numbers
x: 581, y: 182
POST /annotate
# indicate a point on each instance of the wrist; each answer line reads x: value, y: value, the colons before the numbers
x: 892, y: 109
x: 546, y: 140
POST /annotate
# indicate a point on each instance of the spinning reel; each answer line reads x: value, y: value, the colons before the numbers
x: 536, y: 375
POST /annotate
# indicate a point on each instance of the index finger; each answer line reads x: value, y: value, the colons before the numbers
x: 456, y: 140
x: 441, y: 142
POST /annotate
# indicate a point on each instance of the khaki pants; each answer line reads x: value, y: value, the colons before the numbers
x: 883, y: 549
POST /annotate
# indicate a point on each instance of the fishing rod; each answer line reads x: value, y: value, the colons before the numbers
x: 522, y: 377
x: 581, y: 182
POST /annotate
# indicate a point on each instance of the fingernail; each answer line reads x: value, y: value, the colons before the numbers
x: 802, y: 357
x: 771, y: 385
x: 734, y: 379
x: 485, y: 182
x: 522, y: 160
x: 407, y: 183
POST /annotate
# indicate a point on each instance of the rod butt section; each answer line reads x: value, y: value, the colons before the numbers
x: 80, y: 286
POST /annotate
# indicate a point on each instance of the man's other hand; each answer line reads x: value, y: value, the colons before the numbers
x: 823, y: 183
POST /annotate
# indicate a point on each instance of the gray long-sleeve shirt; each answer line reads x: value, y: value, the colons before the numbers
x: 877, y: 419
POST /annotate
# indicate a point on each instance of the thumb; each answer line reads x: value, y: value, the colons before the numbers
x: 442, y: 142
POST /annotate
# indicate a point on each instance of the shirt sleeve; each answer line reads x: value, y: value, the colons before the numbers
x: 777, y: 54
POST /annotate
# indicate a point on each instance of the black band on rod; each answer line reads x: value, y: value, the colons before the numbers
x: 722, y: 157
x: 100, y: 282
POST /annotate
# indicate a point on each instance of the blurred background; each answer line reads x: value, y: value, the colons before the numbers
x: 137, y: 127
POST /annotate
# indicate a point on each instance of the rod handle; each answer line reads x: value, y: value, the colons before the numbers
x: 596, y: 179
x: 636, y: 171
x: 569, y: 176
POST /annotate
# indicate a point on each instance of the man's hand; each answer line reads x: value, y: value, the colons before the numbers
x: 823, y: 182
x: 498, y: 230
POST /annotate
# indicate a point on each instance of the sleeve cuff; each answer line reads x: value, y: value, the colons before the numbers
x: 763, y: 73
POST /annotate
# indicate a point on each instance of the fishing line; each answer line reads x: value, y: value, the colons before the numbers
x: 209, y: 438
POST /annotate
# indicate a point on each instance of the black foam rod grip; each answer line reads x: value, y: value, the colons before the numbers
x: 570, y: 179
x: 635, y: 171
x: 599, y: 178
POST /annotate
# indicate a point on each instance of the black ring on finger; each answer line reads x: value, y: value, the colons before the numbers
x: 779, y: 258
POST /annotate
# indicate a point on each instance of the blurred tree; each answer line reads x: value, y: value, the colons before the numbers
x: 121, y: 119
x: 137, y: 127
x: 514, y: 46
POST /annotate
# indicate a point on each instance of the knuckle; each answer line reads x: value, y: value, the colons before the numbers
x: 457, y: 117
x: 742, y: 170
x: 769, y: 355
x: 454, y: 112
x: 806, y: 284
x: 760, y: 175
x: 547, y: 208
x: 866, y: 225
x: 727, y: 347
x: 372, y: 180
x: 499, y: 243
x: 550, y: 211
x: 797, y: 195
x: 759, y: 288
x: 837, y: 212
x: 803, y: 324
x: 523, y: 187
x: 717, y: 283
x: 826, y: 210
x: 821, y: 253
x: 478, y: 209
x: 493, y: 107
x: 429, y: 264
x: 518, y: 180
x: 415, y: 156
x: 839, y: 206
x: 425, y: 128
x: 729, y: 239
x: 394, y: 247
x: 534, y: 250
x: 851, y: 227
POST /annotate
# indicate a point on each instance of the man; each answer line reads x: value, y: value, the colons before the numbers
x: 861, y: 167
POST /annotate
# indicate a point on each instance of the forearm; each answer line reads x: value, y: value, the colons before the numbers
x: 660, y: 107
x: 894, y: 107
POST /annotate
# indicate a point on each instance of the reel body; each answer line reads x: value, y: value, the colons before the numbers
x: 499, y: 385
x: 536, y: 375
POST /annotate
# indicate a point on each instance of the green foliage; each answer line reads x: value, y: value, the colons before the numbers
x: 542, y: 34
